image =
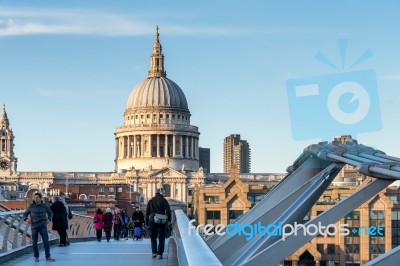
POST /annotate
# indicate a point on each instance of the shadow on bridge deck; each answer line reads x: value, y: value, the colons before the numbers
x: 123, y: 252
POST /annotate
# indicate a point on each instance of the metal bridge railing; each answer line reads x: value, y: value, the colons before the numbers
x: 191, y: 249
x: 16, y: 233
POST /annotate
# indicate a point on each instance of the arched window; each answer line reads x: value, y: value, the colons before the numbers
x: 82, y: 197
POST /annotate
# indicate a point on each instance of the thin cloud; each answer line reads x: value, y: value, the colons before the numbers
x: 84, y: 22
x: 72, y: 93
x: 19, y: 22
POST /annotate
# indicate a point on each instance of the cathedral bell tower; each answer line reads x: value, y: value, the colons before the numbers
x: 8, y: 163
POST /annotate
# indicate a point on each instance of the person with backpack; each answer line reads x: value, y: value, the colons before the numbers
x: 158, y: 214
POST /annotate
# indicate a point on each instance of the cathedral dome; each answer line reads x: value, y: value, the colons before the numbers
x: 157, y: 132
x: 157, y: 92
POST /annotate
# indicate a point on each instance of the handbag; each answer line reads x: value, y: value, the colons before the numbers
x: 160, y: 218
x: 69, y: 215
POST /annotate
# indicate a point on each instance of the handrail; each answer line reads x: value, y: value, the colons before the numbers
x: 191, y: 249
x: 15, y: 233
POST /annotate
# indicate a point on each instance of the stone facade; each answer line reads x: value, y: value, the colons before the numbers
x: 224, y: 201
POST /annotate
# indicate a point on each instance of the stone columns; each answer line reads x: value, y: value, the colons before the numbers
x: 130, y: 146
x: 187, y: 147
x: 166, y: 145
x: 141, y: 145
x: 158, y: 145
x: 183, y: 192
x: 173, y: 145
x: 196, y: 149
x: 134, y: 146
x: 192, y: 148
x: 181, y: 148
x: 150, y: 147
x: 116, y: 148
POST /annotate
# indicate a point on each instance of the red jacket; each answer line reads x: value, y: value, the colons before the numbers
x: 99, y: 218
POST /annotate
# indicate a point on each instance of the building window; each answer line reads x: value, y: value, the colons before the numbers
x: 161, y: 116
x: 211, y: 199
x: 234, y: 214
x: 393, y: 198
x: 395, y: 228
x: 179, y: 116
x: 111, y: 197
x: 377, y: 242
x: 119, y: 190
x: 137, y: 116
x: 352, y: 248
x: 331, y: 249
x: 82, y: 197
x: 148, y: 116
x: 173, y: 116
x: 101, y: 189
x: 167, y: 116
x: 213, y: 217
x: 111, y: 189
x: 320, y: 248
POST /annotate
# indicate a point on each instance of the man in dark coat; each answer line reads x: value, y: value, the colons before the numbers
x: 137, y: 217
x: 60, y: 220
x: 108, y: 223
x: 158, y: 205
x: 39, y: 216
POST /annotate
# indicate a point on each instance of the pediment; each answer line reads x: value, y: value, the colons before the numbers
x: 167, y: 172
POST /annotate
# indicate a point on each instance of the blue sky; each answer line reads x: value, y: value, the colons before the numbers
x: 68, y: 67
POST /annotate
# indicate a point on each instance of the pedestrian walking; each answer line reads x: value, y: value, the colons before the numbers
x: 98, y: 224
x: 138, y: 222
x: 118, y: 223
x: 60, y: 220
x: 158, y: 214
x: 108, y: 223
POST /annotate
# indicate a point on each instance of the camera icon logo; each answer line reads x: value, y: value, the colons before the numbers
x: 325, y: 106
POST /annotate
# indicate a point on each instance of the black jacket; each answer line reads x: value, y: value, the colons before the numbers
x: 158, y: 204
x: 138, y: 216
x: 60, y: 215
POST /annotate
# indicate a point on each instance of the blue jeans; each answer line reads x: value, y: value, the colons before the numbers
x: 45, y: 237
